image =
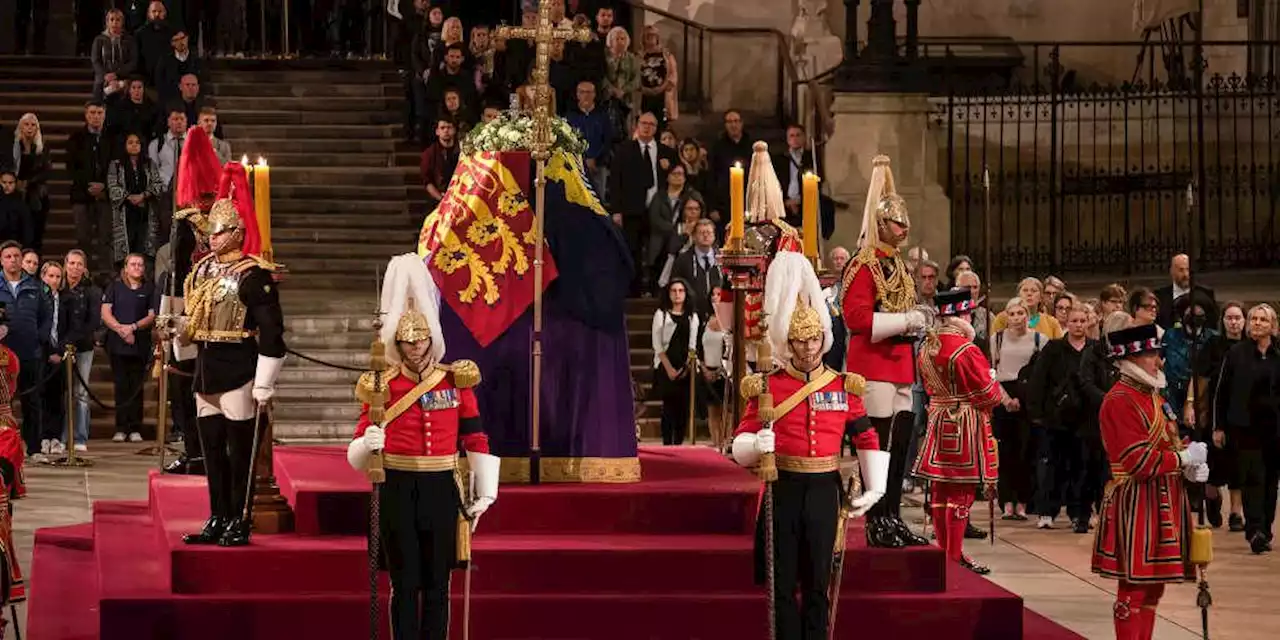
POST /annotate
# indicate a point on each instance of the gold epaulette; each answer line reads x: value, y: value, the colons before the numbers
x: 266, y: 265
x: 752, y: 386
x: 365, y: 386
x: 466, y: 373
x: 854, y: 383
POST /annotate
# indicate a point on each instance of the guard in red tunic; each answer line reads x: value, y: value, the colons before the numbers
x: 814, y: 408
x: 12, y: 449
x: 431, y: 416
x: 1144, y: 528
x: 883, y: 321
x: 958, y: 451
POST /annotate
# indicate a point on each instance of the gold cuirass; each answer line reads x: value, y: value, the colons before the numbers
x: 215, y: 312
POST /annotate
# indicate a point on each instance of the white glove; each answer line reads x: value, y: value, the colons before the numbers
x: 264, y: 378
x: 765, y: 441
x: 374, y: 438
x: 916, y: 321
x: 362, y: 448
x: 1196, y: 472
x: 875, y: 479
x: 477, y: 509
x: 1195, y: 453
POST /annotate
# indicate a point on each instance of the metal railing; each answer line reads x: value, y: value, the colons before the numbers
x: 1090, y: 164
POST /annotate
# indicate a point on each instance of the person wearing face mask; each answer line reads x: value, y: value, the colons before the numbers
x: 1248, y: 420
x: 1190, y: 334
x: 233, y: 327
x: 424, y: 511
x: 1142, y: 539
x: 880, y: 310
x: 814, y: 410
x: 962, y: 393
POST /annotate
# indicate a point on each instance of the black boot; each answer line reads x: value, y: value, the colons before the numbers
x: 973, y: 533
x: 1235, y: 523
x: 185, y: 466
x: 881, y: 533
x: 212, y: 531
x: 236, y: 535
x: 908, y: 537
x: 1214, y: 512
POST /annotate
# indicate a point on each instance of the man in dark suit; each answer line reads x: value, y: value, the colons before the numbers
x: 700, y: 266
x: 1180, y: 275
x: 790, y: 166
x: 639, y: 168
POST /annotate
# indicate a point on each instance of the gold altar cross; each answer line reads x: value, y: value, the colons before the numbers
x: 543, y: 35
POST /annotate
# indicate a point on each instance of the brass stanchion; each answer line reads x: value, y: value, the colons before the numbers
x: 161, y: 372
x: 693, y: 397
x: 69, y: 361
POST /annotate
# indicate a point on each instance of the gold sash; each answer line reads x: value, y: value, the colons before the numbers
x: 402, y: 405
x: 823, y: 379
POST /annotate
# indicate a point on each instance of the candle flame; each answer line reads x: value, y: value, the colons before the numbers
x: 244, y: 160
x: 737, y: 165
x: 809, y: 174
x: 262, y: 162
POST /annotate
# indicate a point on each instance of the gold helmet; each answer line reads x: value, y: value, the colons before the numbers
x: 883, y: 204
x: 413, y: 326
x: 806, y: 322
x: 222, y: 216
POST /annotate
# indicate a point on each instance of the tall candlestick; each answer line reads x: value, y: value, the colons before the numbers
x: 737, y: 193
x: 809, y: 228
x: 262, y: 205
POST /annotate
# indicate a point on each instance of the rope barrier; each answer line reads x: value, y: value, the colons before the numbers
x: 102, y: 405
x: 313, y: 360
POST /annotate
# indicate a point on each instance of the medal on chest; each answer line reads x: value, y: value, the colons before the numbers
x: 439, y: 400
x: 829, y: 401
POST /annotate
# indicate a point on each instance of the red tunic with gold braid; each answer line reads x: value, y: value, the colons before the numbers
x: 889, y: 360
x: 1143, y: 528
x: 958, y: 444
x: 12, y: 448
x: 434, y: 420
x: 810, y: 433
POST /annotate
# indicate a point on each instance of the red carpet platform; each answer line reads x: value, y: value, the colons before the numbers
x: 669, y: 557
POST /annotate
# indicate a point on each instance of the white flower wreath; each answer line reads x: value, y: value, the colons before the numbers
x: 513, y: 131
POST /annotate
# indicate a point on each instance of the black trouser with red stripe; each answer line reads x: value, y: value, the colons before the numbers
x: 419, y: 525
x: 805, y: 512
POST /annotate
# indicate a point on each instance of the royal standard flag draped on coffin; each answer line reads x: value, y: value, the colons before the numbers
x: 480, y: 240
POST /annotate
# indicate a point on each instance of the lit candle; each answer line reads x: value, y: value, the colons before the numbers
x: 737, y: 217
x: 262, y: 204
x: 809, y: 228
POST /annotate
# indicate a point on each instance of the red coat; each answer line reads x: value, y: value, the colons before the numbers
x: 1145, y: 521
x: 958, y: 445
x: 12, y: 447
x: 438, y: 421
x: 889, y: 360
x: 815, y: 427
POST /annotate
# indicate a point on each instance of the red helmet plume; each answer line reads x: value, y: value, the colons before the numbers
x: 198, y: 171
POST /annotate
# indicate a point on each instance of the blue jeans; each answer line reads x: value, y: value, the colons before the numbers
x: 84, y: 362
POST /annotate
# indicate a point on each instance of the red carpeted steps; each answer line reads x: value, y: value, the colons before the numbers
x: 669, y: 557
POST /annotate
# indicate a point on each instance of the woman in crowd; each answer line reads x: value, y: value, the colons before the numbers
x: 696, y: 174
x: 1062, y: 305
x: 114, y: 56
x: 1222, y: 465
x: 621, y: 82
x: 1013, y: 350
x: 674, y: 333
x: 1247, y: 403
x: 15, y: 216
x: 128, y: 311
x: 1053, y: 287
x: 1094, y: 328
x: 1031, y: 291
x: 53, y: 429
x: 1144, y: 306
x: 668, y: 138
x: 32, y: 167
x: 657, y: 79
x: 958, y: 265
x: 715, y: 351
x: 133, y: 183
x: 665, y: 219
x: 1192, y: 332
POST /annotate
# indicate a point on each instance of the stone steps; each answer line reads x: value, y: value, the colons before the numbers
x: 223, y: 86
x: 72, y: 113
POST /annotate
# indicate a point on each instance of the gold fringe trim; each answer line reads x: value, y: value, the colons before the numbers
x: 569, y: 470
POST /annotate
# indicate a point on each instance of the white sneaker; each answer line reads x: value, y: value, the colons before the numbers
x: 39, y: 458
x: 118, y: 437
x: 1045, y: 522
x: 82, y: 448
x: 135, y: 437
x: 56, y: 448
x: 44, y: 446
